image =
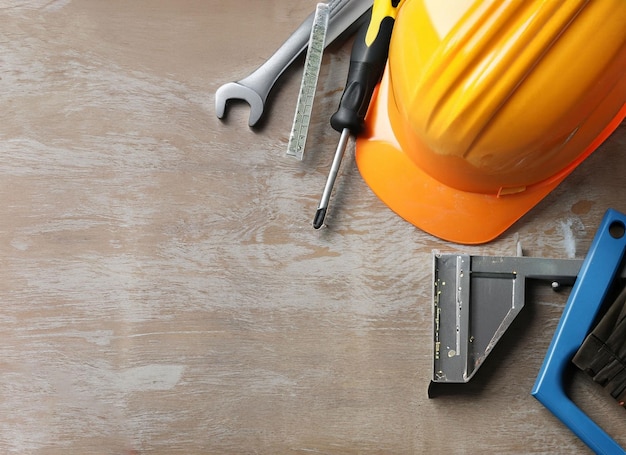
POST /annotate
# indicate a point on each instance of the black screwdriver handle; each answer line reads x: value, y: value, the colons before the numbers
x: 367, y: 63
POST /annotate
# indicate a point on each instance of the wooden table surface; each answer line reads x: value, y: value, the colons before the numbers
x: 162, y: 290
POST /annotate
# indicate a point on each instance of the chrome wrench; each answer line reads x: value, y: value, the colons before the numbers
x: 255, y: 88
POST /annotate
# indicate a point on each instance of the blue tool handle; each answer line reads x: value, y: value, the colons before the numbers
x: 599, y: 269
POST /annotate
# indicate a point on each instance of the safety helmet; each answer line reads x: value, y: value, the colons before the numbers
x: 486, y: 106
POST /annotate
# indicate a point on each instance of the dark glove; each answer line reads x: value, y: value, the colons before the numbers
x: 603, y: 353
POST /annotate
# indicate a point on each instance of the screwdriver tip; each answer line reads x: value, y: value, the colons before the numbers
x: 319, y: 218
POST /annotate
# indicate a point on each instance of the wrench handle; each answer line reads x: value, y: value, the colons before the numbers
x: 343, y: 13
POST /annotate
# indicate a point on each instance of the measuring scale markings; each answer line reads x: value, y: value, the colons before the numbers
x: 312, y: 65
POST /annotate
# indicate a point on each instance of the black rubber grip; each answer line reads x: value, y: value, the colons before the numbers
x: 366, y: 68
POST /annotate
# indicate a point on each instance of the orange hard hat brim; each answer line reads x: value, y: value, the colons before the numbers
x: 445, y: 212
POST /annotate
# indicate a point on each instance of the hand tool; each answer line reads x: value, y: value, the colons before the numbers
x: 476, y: 298
x: 598, y: 275
x: 312, y: 66
x: 367, y: 62
x: 475, y: 301
x: 255, y: 88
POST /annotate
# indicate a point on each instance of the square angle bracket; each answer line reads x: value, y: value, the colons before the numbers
x: 476, y: 298
x: 598, y: 272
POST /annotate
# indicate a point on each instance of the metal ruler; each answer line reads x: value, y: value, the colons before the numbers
x: 312, y: 65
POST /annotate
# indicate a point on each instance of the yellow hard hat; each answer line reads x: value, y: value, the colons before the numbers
x: 486, y: 106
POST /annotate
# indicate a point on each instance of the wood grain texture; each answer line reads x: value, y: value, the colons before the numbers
x: 162, y: 290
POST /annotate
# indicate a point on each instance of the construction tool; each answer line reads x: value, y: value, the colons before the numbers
x: 597, y: 277
x: 475, y: 301
x: 255, y: 88
x: 312, y: 66
x: 367, y: 62
x: 476, y: 298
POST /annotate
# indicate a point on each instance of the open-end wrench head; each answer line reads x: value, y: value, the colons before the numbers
x: 235, y: 90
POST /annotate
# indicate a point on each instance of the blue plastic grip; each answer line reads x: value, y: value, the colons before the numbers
x: 601, y: 265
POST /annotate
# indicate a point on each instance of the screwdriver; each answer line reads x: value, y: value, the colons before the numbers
x: 367, y: 62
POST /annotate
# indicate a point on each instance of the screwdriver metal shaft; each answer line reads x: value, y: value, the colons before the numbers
x: 367, y: 61
x: 320, y: 214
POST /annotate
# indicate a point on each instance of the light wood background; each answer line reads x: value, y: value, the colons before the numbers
x: 162, y: 290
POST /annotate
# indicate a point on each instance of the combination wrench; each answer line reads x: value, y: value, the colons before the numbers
x: 255, y: 88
